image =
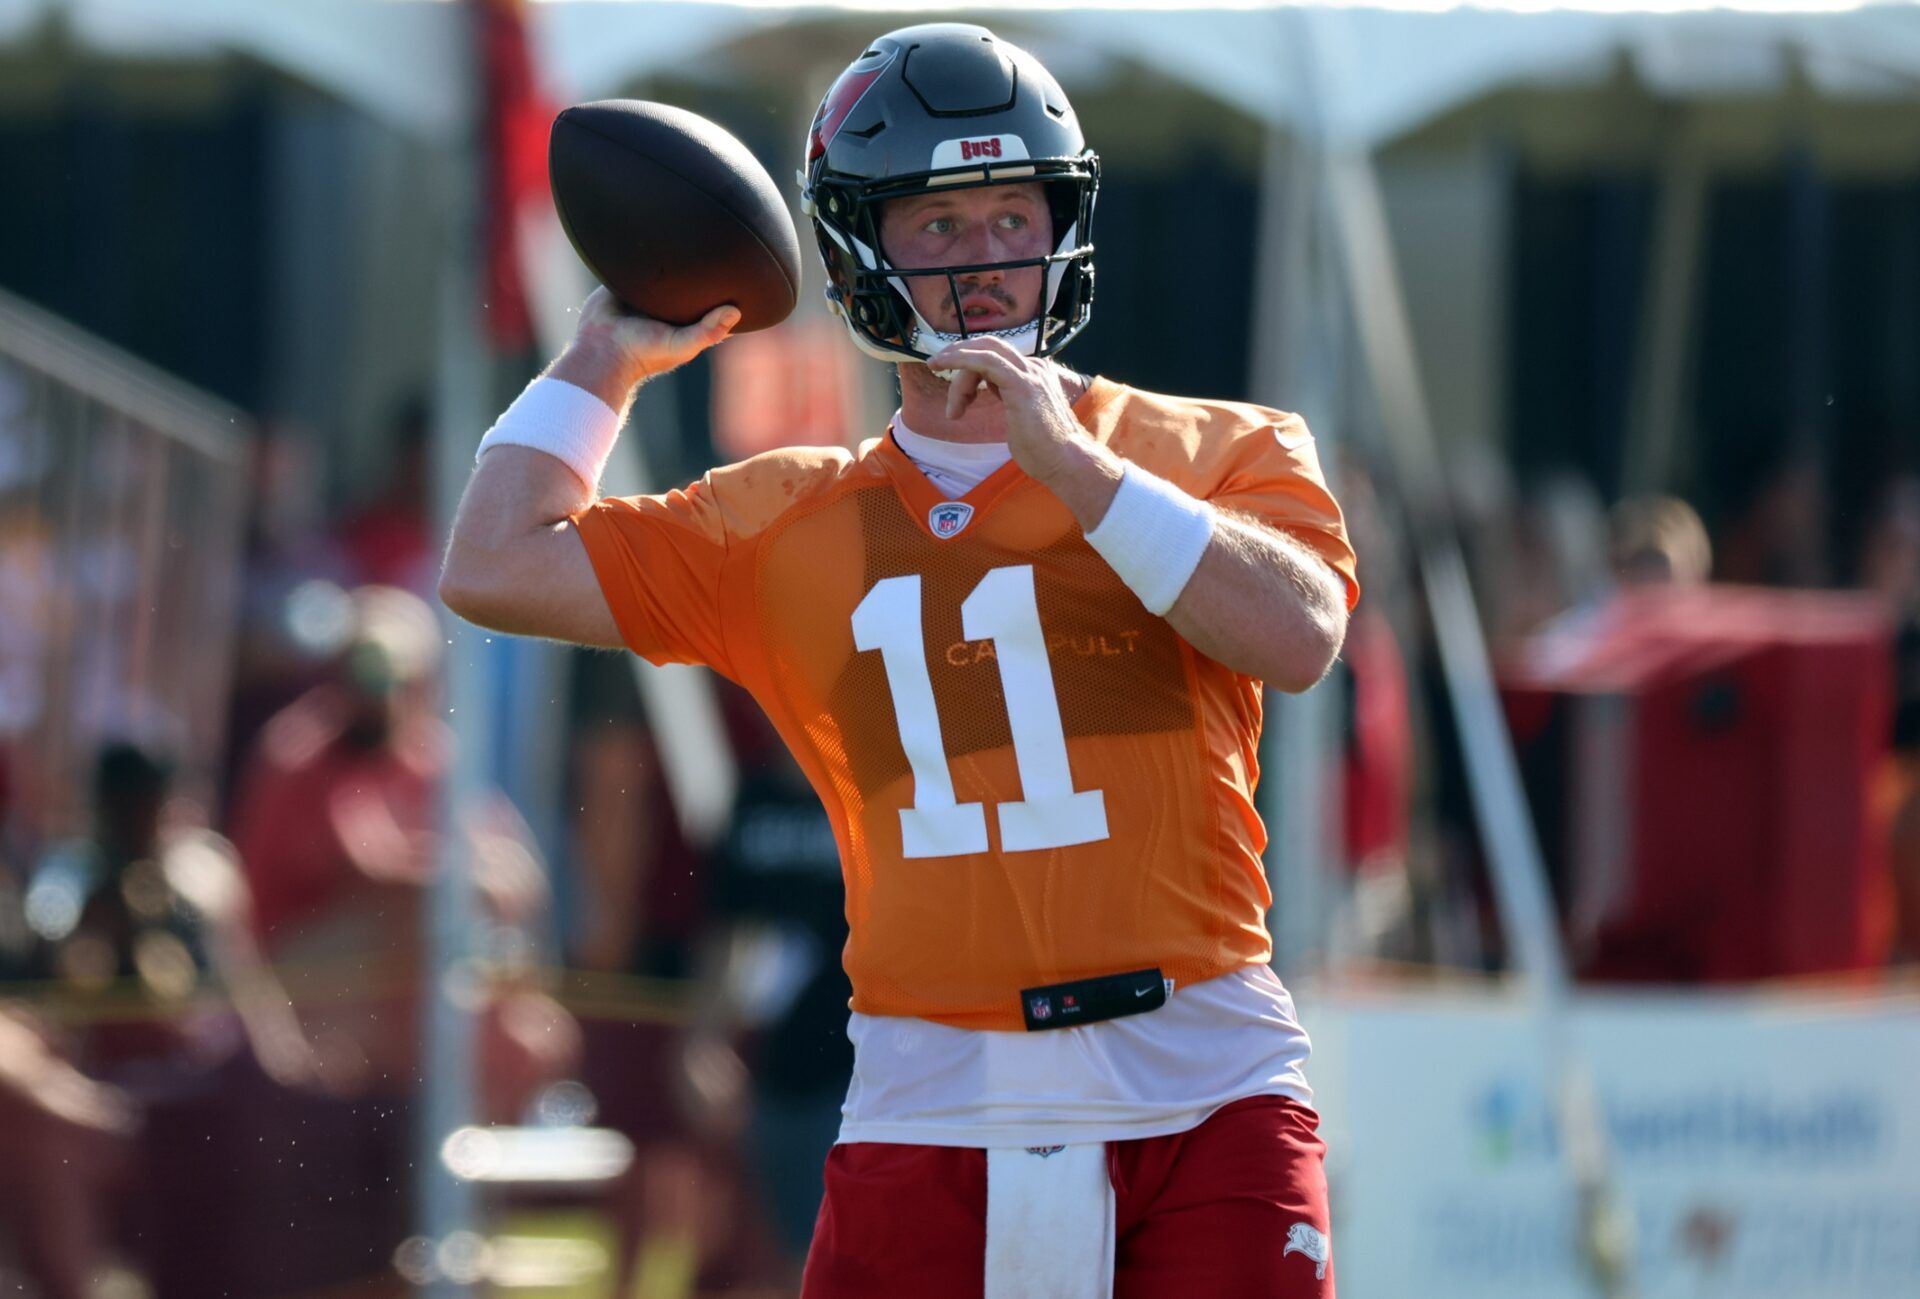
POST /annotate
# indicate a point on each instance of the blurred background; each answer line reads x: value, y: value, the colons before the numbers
x: 347, y: 951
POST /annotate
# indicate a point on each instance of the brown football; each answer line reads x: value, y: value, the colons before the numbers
x: 672, y: 213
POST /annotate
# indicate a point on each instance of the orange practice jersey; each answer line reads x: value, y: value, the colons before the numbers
x: 1032, y: 778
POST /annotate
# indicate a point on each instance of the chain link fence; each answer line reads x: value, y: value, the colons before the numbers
x: 122, y: 504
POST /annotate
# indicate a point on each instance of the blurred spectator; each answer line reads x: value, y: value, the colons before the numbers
x: 337, y: 823
x: 143, y: 936
x: 293, y: 610
x: 642, y: 886
x: 1902, y: 796
x: 162, y: 911
x: 1779, y: 536
x: 16, y: 938
x: 772, y: 970
x: 1890, y: 566
x: 1389, y: 890
x: 1890, y: 562
x: 1377, y: 785
x: 1658, y: 540
x: 643, y: 894
x: 28, y: 587
x: 65, y: 1146
x: 389, y: 541
x: 1556, y: 560
x: 344, y: 775
x: 1651, y: 541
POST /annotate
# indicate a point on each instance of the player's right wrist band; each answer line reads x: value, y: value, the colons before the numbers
x: 1153, y: 535
x: 565, y: 421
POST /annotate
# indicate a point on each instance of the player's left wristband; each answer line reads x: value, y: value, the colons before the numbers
x: 1153, y: 536
x: 567, y: 422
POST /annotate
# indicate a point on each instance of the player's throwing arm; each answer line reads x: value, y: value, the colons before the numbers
x: 513, y: 564
x: 692, y: 240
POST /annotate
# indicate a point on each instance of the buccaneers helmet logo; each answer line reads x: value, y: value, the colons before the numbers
x: 841, y: 98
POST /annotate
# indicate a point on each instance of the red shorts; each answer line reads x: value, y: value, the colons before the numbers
x: 1235, y: 1207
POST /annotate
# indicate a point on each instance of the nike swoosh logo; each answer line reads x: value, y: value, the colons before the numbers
x: 1141, y: 992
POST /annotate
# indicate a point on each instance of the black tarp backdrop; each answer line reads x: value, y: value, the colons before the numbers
x: 1577, y: 269
x: 1806, y: 325
x: 147, y: 225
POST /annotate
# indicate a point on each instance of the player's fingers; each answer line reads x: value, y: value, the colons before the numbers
x: 691, y: 340
x: 719, y: 322
x: 984, y: 355
x: 966, y: 385
x: 994, y: 346
x: 964, y: 349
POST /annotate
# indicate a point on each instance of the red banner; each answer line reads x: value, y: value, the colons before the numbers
x: 517, y: 117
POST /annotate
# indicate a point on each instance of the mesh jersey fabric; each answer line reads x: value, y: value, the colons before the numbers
x: 1015, y: 804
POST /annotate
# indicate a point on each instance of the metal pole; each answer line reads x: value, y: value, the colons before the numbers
x: 447, y: 1254
x: 1292, y: 362
x: 1653, y: 442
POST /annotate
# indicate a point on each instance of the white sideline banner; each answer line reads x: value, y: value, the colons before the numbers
x: 1768, y: 1145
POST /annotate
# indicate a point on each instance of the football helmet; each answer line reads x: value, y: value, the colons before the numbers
x: 945, y: 106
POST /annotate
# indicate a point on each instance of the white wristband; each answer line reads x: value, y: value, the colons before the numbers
x: 567, y: 422
x: 1153, y: 536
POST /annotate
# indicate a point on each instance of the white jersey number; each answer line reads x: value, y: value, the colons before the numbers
x: 1002, y: 609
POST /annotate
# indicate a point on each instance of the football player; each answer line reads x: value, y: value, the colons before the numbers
x: 1016, y: 640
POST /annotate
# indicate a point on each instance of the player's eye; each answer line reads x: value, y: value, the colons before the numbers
x: 1015, y: 221
x: 940, y: 225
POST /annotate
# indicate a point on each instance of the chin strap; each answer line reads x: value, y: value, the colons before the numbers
x: 1025, y: 339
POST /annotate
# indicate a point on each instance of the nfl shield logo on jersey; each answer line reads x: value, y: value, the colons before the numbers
x: 947, y: 518
x: 1041, y: 1007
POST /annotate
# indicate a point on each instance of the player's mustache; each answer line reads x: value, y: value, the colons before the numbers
x: 999, y: 295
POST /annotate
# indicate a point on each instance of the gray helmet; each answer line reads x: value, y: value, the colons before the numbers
x: 947, y: 106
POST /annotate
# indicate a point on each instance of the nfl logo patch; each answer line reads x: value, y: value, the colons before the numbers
x: 948, y: 518
x: 1041, y: 1007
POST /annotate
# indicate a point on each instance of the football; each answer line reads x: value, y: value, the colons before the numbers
x: 672, y: 213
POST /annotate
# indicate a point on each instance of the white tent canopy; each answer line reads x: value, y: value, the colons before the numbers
x: 1376, y: 72
x: 399, y: 61
x: 1379, y: 71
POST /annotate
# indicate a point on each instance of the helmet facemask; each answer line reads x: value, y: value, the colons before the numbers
x: 873, y: 294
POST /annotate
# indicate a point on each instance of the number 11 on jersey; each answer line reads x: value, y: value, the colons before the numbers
x: 1001, y: 608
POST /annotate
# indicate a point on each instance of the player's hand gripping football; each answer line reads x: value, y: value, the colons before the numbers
x: 1041, y: 428
x: 615, y: 348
